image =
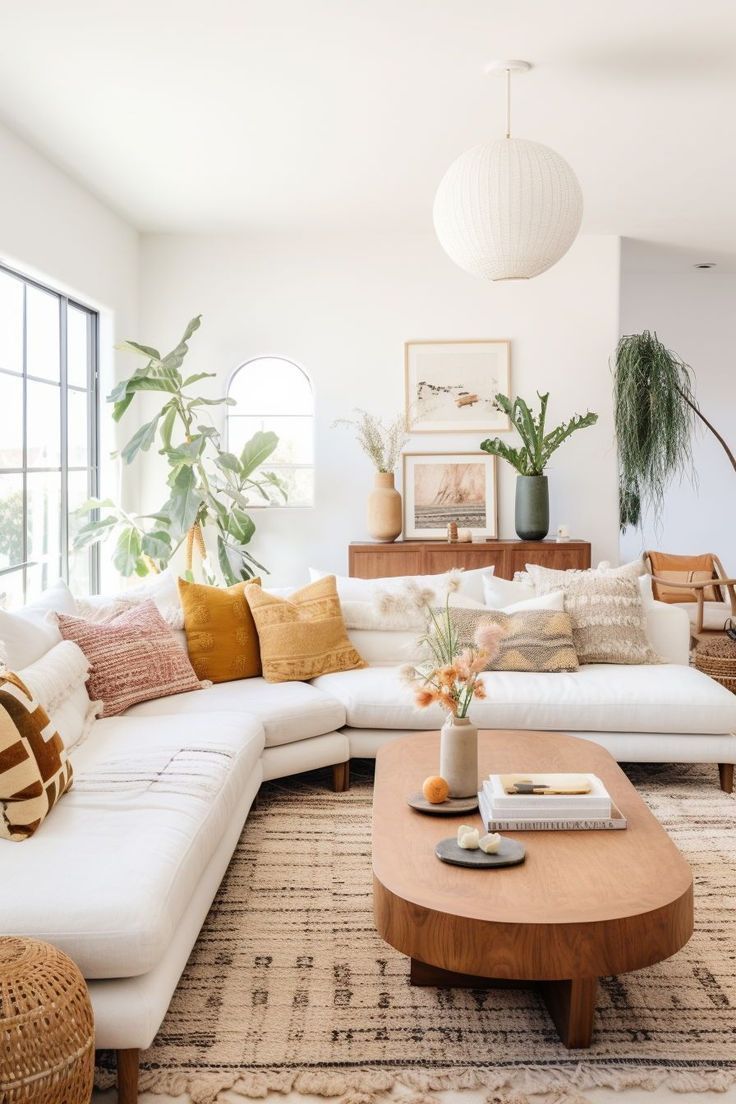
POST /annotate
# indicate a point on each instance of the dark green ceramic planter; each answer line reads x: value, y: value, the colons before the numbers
x: 532, y: 507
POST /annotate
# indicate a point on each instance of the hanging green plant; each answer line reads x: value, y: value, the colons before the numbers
x: 207, y: 486
x: 655, y: 414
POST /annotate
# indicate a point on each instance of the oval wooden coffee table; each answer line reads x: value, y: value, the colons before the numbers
x: 582, y: 906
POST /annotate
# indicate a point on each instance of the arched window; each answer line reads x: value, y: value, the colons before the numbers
x: 274, y: 393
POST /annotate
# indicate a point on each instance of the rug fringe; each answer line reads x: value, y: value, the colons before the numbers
x: 509, y: 1085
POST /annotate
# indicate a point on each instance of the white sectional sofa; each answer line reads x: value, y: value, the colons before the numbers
x: 123, y: 873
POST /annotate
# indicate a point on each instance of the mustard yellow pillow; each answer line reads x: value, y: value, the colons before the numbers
x: 302, y: 636
x: 221, y: 636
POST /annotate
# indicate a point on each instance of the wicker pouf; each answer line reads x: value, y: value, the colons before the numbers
x: 716, y: 656
x: 46, y: 1028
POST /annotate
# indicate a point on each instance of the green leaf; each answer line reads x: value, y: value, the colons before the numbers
x: 157, y: 544
x: 184, y: 501
x: 141, y: 568
x: 240, y: 525
x: 197, y: 377
x: 150, y: 383
x: 93, y: 504
x: 120, y: 407
x: 188, y: 452
x: 94, y: 531
x: 143, y: 350
x: 167, y: 427
x: 127, y: 551
x: 230, y: 562
x: 142, y: 439
x: 228, y: 462
x: 258, y: 449
x: 210, y: 402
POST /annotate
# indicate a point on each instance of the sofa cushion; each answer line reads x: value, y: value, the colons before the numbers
x: 111, y: 874
x: 597, y: 698
x: 288, y: 711
x: 222, y: 641
x: 27, y: 633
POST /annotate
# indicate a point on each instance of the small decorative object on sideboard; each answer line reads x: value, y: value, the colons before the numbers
x: 452, y: 536
x: 563, y: 534
x: 451, y: 680
x: 382, y: 444
x: 532, y: 493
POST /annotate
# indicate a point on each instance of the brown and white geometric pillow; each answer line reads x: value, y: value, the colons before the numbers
x: 34, y: 769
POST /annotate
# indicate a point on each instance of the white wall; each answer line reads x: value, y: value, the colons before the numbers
x: 342, y: 306
x: 51, y: 228
x: 693, y: 313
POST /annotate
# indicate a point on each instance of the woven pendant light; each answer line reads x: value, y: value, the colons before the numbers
x: 509, y: 209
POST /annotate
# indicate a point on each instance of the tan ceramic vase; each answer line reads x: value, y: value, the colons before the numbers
x: 384, y: 509
x: 459, y: 756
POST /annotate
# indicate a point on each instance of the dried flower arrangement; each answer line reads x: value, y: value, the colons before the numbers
x: 451, y: 677
x: 382, y: 443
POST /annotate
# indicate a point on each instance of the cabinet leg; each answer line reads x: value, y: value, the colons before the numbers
x: 725, y: 774
x: 128, y: 1076
x: 341, y: 777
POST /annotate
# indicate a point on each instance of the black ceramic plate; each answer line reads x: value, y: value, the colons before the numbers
x: 510, y: 853
x: 453, y: 806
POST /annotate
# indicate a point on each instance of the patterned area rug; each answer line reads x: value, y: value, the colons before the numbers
x: 289, y: 987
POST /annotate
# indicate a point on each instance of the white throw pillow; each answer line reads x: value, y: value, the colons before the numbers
x: 351, y: 589
x: 382, y: 648
x: 499, y: 593
x: 402, y: 617
x: 27, y: 633
x: 58, y: 681
x: 554, y: 601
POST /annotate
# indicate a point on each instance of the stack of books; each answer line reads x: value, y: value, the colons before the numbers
x: 547, y: 802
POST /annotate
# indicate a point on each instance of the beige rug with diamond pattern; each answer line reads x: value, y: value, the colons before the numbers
x: 289, y: 987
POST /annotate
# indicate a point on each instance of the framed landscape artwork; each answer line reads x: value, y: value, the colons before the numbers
x: 444, y: 487
x: 451, y: 385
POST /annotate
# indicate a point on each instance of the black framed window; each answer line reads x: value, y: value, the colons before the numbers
x: 49, y: 450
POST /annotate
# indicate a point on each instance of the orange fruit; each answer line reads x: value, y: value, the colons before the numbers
x: 435, y: 790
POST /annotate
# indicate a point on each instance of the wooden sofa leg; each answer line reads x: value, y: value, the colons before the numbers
x: 725, y: 773
x: 341, y: 777
x: 128, y: 1076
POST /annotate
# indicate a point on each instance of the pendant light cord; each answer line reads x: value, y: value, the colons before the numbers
x: 508, y: 103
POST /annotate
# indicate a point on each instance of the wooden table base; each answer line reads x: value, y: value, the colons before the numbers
x: 570, y: 1003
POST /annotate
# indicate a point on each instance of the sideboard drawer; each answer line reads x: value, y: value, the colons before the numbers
x: 374, y: 560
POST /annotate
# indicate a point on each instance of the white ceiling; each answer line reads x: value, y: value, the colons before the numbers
x: 192, y: 115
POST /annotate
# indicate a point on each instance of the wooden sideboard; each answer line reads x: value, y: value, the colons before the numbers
x: 374, y: 560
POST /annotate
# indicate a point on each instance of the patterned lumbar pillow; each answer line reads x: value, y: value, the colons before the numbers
x: 222, y: 640
x: 133, y: 658
x: 535, y: 639
x: 302, y: 636
x: 34, y: 769
x: 607, y: 613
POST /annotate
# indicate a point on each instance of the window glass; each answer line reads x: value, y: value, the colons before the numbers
x: 48, y: 462
x: 274, y: 394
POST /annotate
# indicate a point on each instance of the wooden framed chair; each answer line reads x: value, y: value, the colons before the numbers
x: 698, y: 581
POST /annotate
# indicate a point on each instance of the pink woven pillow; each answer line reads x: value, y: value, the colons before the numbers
x: 134, y: 657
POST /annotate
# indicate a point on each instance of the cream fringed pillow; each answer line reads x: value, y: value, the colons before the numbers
x: 304, y: 635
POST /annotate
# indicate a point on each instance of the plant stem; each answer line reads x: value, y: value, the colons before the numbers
x: 696, y: 410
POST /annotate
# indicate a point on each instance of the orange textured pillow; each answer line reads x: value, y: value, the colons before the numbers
x: 302, y: 636
x: 221, y: 637
x: 682, y: 569
x: 133, y: 657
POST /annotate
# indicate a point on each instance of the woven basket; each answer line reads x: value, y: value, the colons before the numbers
x: 46, y: 1028
x: 717, y: 657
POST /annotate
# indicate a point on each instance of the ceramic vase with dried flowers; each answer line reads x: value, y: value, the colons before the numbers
x: 452, y: 680
x: 382, y: 443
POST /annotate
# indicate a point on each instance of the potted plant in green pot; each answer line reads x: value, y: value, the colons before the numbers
x: 530, y: 461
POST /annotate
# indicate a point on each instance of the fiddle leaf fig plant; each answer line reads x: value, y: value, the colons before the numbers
x: 207, y: 486
x: 538, y: 445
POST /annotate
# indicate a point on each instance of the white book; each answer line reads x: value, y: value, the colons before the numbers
x: 595, y: 802
x: 616, y: 820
